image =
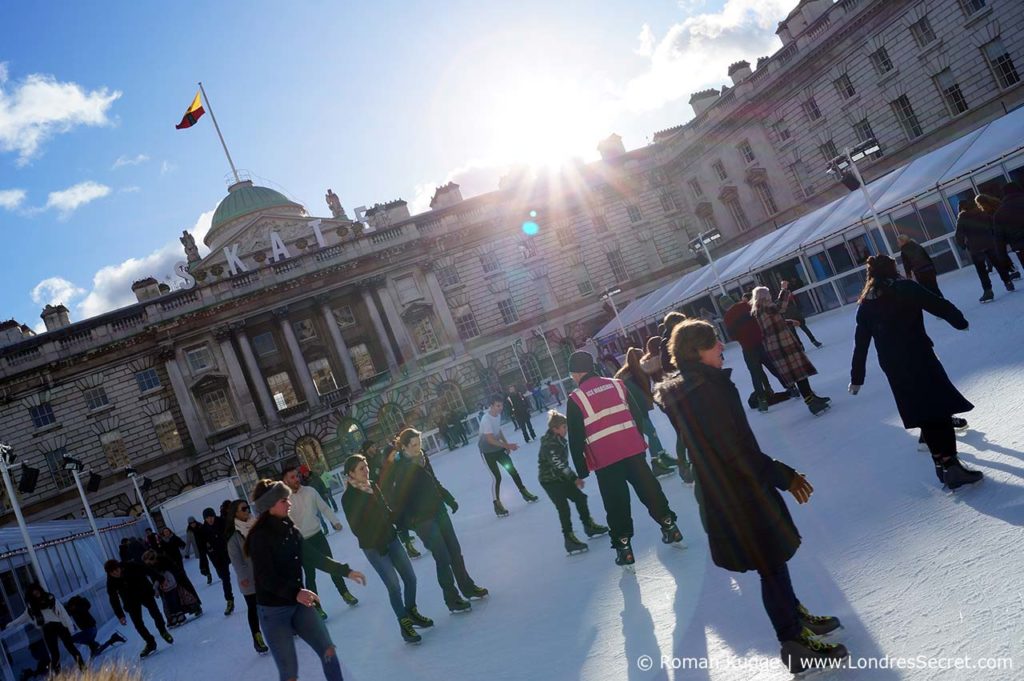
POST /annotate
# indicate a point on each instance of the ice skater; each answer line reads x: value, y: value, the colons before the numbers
x: 562, y: 485
x: 890, y: 313
x: 47, y: 613
x: 604, y: 439
x: 747, y: 522
x: 974, y: 233
x: 130, y: 588
x: 638, y: 383
x: 241, y: 522
x: 495, y: 449
x: 215, y: 539
x: 790, y: 309
x: 519, y: 408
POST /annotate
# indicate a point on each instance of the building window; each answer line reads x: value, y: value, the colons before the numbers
x: 746, y: 151
x: 167, y: 432
x: 199, y: 359
x: 802, y: 179
x: 565, y: 236
x: 668, y: 203
x: 608, y: 192
x: 42, y: 415
x: 489, y: 261
x: 114, y: 449
x: 263, y: 344
x: 408, y: 290
x: 449, y: 399
x: 391, y: 419
x: 634, y: 213
x: 709, y: 222
x: 363, y: 361
x: 764, y: 193
x: 906, y: 117
x: 880, y: 60
x: 323, y: 377
x: 922, y: 32
x: 424, y: 335
x: 862, y: 129
x: 828, y: 151
x: 218, y: 410
x: 600, y: 223
x: 945, y: 81
x: 781, y: 130
x: 739, y: 216
x: 281, y: 391
x: 583, y: 284
x: 719, y: 169
x: 343, y: 316
x: 55, y: 462
x: 618, y: 266
x: 509, y: 313
x: 844, y: 87
x: 531, y: 368
x: 147, y: 380
x: 96, y: 398
x: 811, y: 110
x: 972, y: 6
x: 448, y: 275
x: 304, y: 329
x: 1001, y: 64
x: 695, y: 188
x: 465, y: 324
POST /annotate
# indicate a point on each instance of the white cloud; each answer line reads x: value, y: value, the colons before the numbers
x: 112, y: 285
x: 647, y: 41
x: 55, y: 290
x: 167, y: 167
x: 131, y: 189
x: 40, y: 106
x: 11, y: 198
x: 696, y: 53
x: 473, y: 178
x: 67, y: 201
x: 124, y: 160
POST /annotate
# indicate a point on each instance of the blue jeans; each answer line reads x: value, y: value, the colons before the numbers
x: 390, y: 566
x: 438, y: 536
x: 647, y: 426
x: 280, y: 624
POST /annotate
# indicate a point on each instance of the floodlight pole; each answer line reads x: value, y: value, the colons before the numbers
x: 142, y: 501
x: 5, y: 450
x: 88, y: 513
x: 610, y: 296
x: 550, y: 355
x: 711, y: 261
x: 864, y: 190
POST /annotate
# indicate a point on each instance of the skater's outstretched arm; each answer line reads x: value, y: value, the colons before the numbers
x: 861, y: 343
x: 932, y: 304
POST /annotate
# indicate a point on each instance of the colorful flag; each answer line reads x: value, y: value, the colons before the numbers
x: 195, y: 111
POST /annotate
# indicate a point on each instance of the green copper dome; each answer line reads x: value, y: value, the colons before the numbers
x: 244, y: 198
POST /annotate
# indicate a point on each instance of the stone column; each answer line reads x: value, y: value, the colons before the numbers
x: 405, y: 343
x: 351, y: 376
x: 196, y: 431
x: 239, y: 387
x: 262, y: 391
x: 444, y: 313
x: 299, y: 362
x: 378, y: 326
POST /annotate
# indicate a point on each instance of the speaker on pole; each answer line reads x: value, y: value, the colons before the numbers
x: 29, y: 478
x: 94, y: 482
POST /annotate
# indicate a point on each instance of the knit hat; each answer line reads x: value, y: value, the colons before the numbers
x: 273, y: 494
x: 209, y: 513
x: 581, y: 362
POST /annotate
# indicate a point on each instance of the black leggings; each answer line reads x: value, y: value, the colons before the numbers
x: 940, y: 437
x: 135, y: 613
x: 523, y: 421
x: 780, y: 602
x: 52, y: 632
x: 614, y: 482
x: 495, y: 462
x: 316, y: 555
x: 252, y: 612
x: 561, y: 493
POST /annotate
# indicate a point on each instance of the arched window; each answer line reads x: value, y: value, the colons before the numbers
x: 247, y: 476
x: 449, y: 399
x: 390, y: 419
x: 349, y: 437
x: 531, y: 368
x: 309, y: 451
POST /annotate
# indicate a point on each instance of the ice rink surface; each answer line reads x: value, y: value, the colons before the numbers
x: 912, y: 571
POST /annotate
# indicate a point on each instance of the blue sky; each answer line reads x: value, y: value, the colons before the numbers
x: 376, y: 100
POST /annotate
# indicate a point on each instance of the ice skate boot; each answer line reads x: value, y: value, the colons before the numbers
x: 500, y: 510
x: 410, y: 548
x: 955, y: 475
x: 574, y: 545
x: 686, y: 472
x: 458, y: 605
x: 762, y: 405
x: 624, y: 553
x: 819, y: 625
x: 592, y: 529
x: 419, y: 620
x: 229, y: 607
x: 320, y: 610
x: 349, y: 598
x: 259, y: 644
x: 166, y: 635
x: 527, y: 496
x: 960, y: 425
x: 148, y: 650
x: 987, y: 296
x: 670, y: 533
x: 476, y: 592
x: 797, y: 653
x: 1009, y: 286
x: 817, y: 405
x: 659, y: 469
x: 408, y: 633
x: 667, y: 461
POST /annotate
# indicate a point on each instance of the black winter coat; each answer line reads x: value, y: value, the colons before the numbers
x: 974, y: 232
x: 133, y: 587
x: 413, y: 492
x: 518, y: 406
x: 915, y: 258
x: 553, y: 460
x: 275, y: 551
x: 172, y: 548
x: 369, y: 517
x: 736, y: 484
x: 1008, y: 222
x: 892, y: 317
x: 216, y: 541
x: 78, y: 609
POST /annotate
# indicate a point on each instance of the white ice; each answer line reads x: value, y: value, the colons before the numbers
x: 911, y: 570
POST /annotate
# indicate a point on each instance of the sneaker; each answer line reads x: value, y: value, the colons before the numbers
x: 410, y: 548
x: 500, y: 510
x: 670, y: 533
x: 476, y: 592
x: 148, y: 650
x: 320, y: 610
x: 408, y: 633
x: 527, y: 496
x: 592, y: 529
x: 229, y: 607
x: 659, y: 469
x: 166, y: 635
x: 797, y: 653
x: 819, y: 625
x: 955, y: 475
x: 349, y: 598
x: 259, y: 644
x: 419, y: 620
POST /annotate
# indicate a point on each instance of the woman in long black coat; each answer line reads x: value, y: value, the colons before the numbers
x: 890, y: 312
x: 737, y: 488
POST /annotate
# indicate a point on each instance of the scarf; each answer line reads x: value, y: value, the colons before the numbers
x: 360, y: 486
x: 243, y: 526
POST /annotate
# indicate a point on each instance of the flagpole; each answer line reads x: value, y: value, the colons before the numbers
x: 209, y: 107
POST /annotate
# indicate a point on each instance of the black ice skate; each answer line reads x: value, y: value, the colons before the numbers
x: 349, y: 598
x: 955, y: 475
x: 1009, y: 286
x: 527, y: 496
x: 987, y: 296
x: 419, y: 620
x: 819, y: 625
x: 408, y: 633
x: 817, y: 405
x: 670, y: 533
x: 659, y: 469
x: 148, y: 650
x: 574, y: 545
x: 592, y: 529
x: 667, y: 460
x: 476, y: 592
x: 259, y: 644
x: 800, y: 651
x: 500, y: 510
x: 458, y: 605
x: 624, y: 553
x: 166, y: 635
x: 410, y: 548
x: 229, y: 607
x: 960, y: 425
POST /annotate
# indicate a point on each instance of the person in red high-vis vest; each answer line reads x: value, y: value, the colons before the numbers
x: 604, y: 439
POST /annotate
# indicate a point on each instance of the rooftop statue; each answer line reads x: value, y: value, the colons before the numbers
x: 334, y: 203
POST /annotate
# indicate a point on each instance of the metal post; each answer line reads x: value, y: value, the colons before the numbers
x: 615, y: 309
x: 5, y: 449
x: 867, y: 194
x: 142, y: 501
x: 209, y: 107
x: 551, y: 356
x: 234, y: 464
x: 88, y: 513
x: 516, y: 354
x: 711, y: 261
